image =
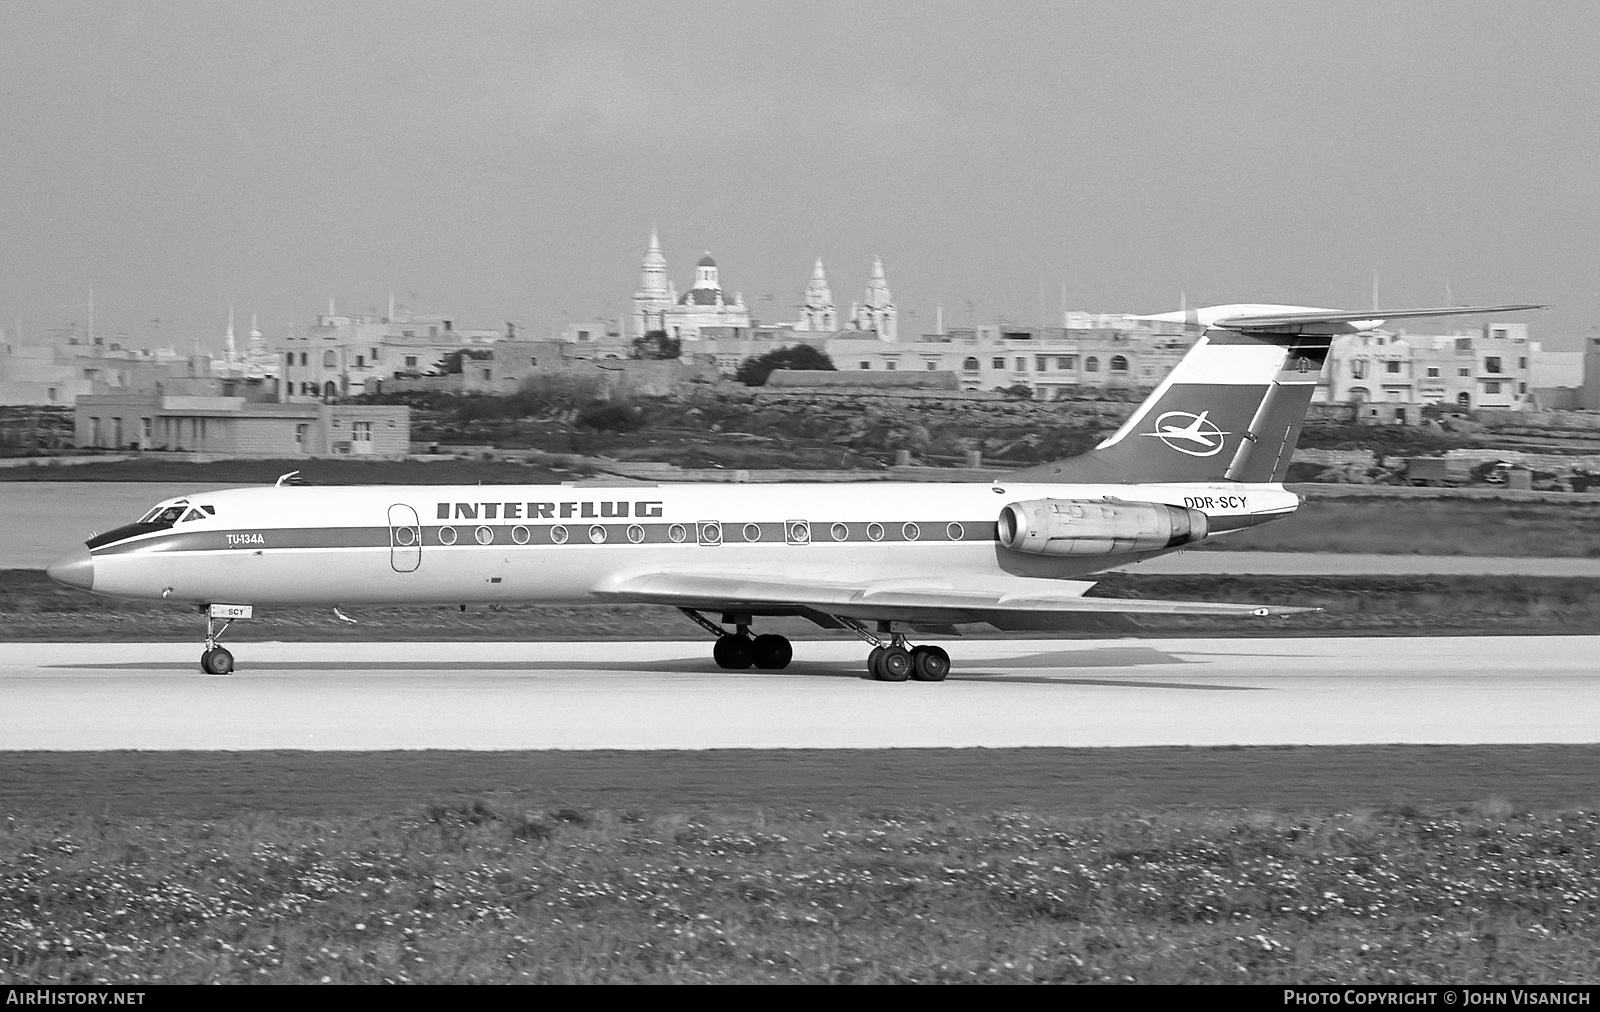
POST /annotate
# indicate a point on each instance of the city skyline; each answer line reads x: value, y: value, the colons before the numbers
x: 505, y: 162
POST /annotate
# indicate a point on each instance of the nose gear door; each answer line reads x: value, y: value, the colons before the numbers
x: 405, y: 539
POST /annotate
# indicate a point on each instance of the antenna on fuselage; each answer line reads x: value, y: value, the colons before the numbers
x: 284, y: 479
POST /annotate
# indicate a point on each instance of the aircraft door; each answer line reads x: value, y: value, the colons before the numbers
x: 405, y: 539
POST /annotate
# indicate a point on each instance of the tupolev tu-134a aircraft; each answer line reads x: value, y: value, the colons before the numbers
x: 1204, y: 456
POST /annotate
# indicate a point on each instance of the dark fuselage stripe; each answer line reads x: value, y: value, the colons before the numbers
x: 535, y: 535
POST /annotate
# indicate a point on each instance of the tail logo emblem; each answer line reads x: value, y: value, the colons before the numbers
x: 1187, y: 432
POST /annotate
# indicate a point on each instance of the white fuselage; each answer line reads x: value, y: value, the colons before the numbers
x: 437, y: 544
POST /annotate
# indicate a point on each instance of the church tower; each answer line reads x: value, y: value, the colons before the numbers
x: 655, y: 293
x: 259, y: 359
x: 818, y: 312
x: 230, y: 345
x: 876, y: 311
x: 705, y: 274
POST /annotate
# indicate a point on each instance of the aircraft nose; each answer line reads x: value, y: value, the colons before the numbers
x: 74, y: 569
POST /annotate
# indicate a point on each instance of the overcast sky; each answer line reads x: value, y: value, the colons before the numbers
x: 506, y: 161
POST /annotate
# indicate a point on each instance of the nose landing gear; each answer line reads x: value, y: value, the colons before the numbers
x: 216, y: 660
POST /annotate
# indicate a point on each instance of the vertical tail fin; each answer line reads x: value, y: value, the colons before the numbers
x: 1230, y: 410
x: 1233, y: 407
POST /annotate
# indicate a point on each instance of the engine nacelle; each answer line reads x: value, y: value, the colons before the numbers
x: 1097, y: 526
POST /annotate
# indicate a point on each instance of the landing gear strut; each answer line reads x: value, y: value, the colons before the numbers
x: 896, y: 660
x: 738, y: 650
x: 216, y: 660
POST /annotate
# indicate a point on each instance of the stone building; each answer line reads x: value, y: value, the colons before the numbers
x: 1489, y: 368
x: 1054, y: 363
x: 658, y: 306
x: 705, y: 311
x: 235, y: 426
x: 347, y: 355
x: 875, y: 312
x: 817, y: 312
x: 1589, y: 397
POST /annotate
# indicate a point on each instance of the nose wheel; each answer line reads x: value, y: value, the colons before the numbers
x: 216, y: 661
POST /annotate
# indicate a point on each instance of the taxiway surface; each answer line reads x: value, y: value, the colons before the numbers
x: 631, y: 695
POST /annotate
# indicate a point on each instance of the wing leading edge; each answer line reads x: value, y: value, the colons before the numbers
x: 904, y: 600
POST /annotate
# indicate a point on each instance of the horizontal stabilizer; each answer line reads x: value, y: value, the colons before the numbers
x: 1375, y: 317
x: 1275, y: 319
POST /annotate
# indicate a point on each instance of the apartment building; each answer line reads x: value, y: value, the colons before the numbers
x: 343, y: 356
x: 1052, y: 362
x: 1478, y: 369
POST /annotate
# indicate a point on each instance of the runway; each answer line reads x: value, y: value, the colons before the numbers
x: 630, y: 695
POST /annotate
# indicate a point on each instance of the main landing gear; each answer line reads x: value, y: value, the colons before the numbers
x: 895, y: 663
x: 896, y: 660
x: 892, y: 658
x: 738, y: 650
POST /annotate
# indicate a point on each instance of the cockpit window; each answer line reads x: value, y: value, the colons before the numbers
x: 164, y: 514
x: 158, y: 519
x: 195, y: 515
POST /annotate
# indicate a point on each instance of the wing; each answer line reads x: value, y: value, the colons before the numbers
x: 920, y: 601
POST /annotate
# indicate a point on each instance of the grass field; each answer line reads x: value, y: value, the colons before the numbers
x: 1352, y: 864
x: 467, y: 892
x: 34, y: 608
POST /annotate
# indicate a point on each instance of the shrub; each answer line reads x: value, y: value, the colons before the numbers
x: 753, y: 372
x: 612, y: 416
x: 657, y: 344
